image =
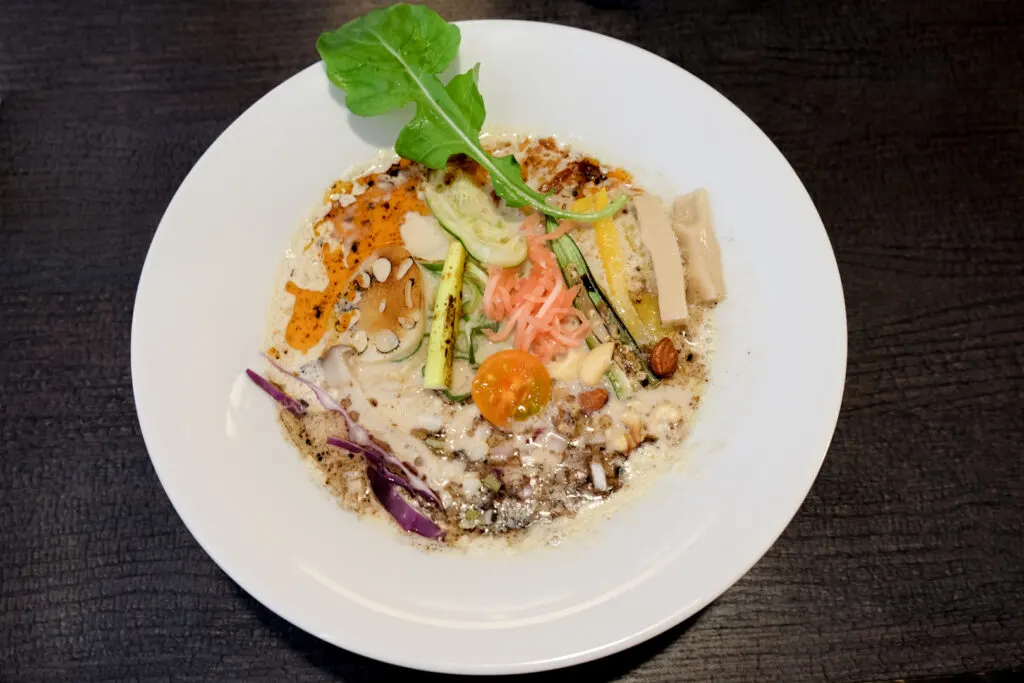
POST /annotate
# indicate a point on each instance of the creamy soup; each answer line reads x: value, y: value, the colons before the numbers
x: 468, y: 369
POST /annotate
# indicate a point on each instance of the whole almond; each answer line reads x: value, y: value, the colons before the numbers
x: 593, y: 400
x: 664, y: 358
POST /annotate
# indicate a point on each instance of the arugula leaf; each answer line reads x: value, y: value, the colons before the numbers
x: 389, y: 58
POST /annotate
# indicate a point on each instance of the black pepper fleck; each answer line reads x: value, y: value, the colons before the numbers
x: 689, y: 357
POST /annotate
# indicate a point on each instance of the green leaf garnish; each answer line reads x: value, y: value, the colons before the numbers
x: 389, y: 58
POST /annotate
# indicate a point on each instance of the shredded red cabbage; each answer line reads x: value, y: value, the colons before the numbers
x: 358, y: 434
x: 407, y: 516
x: 385, y: 485
x: 384, y: 482
x: 286, y: 401
x: 355, y: 430
x: 373, y: 459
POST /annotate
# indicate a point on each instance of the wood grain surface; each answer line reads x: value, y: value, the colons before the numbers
x: 904, y: 118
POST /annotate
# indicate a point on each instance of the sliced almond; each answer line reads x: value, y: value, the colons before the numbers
x: 383, y: 302
x: 567, y: 368
x: 403, y: 268
x: 385, y: 341
x: 596, y: 363
x: 381, y: 269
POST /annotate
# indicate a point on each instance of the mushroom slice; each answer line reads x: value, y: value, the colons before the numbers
x: 390, y: 306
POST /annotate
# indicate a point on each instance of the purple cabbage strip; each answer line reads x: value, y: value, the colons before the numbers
x: 385, y: 485
x: 382, y: 458
x: 286, y: 401
x: 358, y: 434
x: 418, y: 486
x: 373, y: 459
x: 408, y: 517
x: 355, y: 430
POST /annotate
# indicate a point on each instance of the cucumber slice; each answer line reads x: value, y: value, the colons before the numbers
x: 462, y: 382
x: 469, y: 214
x: 409, y: 354
x: 474, y: 282
x: 463, y: 348
x: 476, y: 274
x: 472, y: 297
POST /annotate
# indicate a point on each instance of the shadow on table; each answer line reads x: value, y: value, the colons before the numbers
x: 349, y: 666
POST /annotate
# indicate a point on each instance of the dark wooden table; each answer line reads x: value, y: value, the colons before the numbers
x: 904, y: 119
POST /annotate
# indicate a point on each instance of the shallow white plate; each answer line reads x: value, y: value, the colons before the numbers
x: 252, y: 504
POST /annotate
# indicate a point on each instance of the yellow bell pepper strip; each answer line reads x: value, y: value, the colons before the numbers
x: 646, y: 305
x: 614, y: 263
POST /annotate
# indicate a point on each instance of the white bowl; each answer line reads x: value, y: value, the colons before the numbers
x: 759, y: 439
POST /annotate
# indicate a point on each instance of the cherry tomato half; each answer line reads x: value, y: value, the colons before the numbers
x: 511, y: 384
